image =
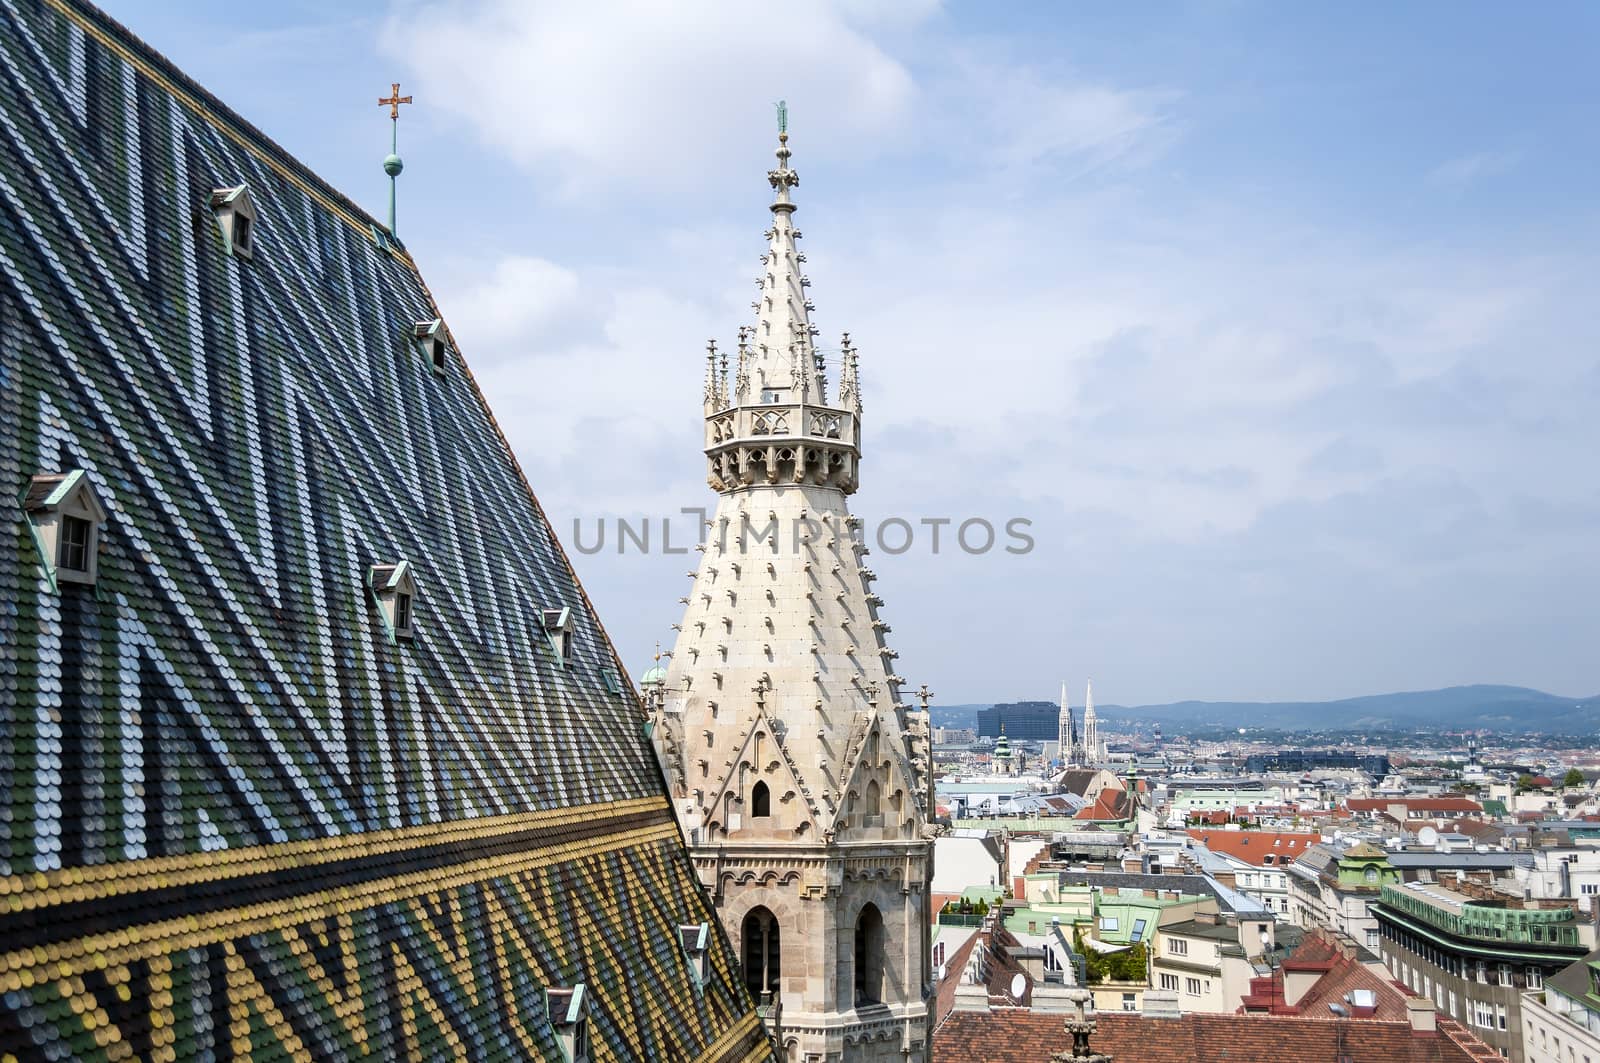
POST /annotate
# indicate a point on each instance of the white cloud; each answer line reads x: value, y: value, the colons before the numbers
x: 1031, y: 118
x: 1203, y: 404
x: 515, y: 304
x: 1465, y: 170
x: 644, y: 90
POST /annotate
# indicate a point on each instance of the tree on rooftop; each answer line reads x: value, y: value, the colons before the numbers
x: 1572, y: 778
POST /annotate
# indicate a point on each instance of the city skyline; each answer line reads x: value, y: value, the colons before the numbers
x: 1265, y: 320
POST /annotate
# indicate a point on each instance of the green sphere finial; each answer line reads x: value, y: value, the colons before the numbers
x: 392, y: 165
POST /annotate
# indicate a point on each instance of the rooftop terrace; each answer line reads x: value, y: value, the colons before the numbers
x: 1484, y: 915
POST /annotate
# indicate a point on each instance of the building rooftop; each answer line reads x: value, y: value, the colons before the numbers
x: 1414, y: 804
x: 1022, y: 1035
x: 1476, y: 912
x: 1261, y: 848
x: 241, y: 793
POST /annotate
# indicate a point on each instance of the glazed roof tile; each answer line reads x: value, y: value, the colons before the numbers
x: 229, y: 794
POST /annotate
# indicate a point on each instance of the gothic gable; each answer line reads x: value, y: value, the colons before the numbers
x: 790, y: 808
x: 878, y: 798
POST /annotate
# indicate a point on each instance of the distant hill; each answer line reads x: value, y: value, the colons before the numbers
x: 1493, y: 708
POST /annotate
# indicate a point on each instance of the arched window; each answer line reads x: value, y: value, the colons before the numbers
x: 760, y: 800
x: 869, y: 956
x: 872, y: 802
x: 759, y: 933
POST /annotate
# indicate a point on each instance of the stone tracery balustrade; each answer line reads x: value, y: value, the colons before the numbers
x: 760, y: 444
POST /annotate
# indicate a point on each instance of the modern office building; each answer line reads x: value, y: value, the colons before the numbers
x: 1034, y: 721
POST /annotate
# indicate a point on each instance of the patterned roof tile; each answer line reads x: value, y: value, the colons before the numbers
x: 238, y: 819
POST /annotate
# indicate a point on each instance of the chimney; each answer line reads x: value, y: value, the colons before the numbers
x: 972, y: 997
x: 1161, y: 1006
x: 1297, y: 983
x: 1424, y: 1017
x: 1052, y: 998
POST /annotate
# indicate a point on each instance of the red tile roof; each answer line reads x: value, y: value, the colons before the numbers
x: 1332, y: 961
x: 1020, y: 1035
x: 1110, y: 805
x: 1253, y: 846
x: 954, y: 965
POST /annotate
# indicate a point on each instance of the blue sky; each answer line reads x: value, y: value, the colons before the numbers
x: 1278, y: 322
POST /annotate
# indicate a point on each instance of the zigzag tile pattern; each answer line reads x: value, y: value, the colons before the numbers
x: 237, y: 820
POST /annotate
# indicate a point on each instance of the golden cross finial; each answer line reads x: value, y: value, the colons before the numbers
x: 394, y: 101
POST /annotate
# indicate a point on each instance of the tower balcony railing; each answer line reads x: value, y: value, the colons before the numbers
x: 772, y: 422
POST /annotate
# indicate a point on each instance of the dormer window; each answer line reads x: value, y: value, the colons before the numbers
x: 569, y: 1017
x: 65, y: 516
x: 430, y: 337
x: 696, y: 939
x: 395, y: 592
x: 236, y: 217
x: 558, y: 627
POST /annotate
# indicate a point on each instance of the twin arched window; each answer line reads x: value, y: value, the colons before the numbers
x: 761, y: 953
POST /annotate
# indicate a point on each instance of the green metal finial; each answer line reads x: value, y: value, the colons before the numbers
x: 392, y: 165
x: 783, y: 117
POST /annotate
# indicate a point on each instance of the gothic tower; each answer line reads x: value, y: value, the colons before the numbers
x: 804, y: 785
x: 1093, y: 751
x: 1066, y: 733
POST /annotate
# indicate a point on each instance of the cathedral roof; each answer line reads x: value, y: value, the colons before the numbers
x: 292, y: 770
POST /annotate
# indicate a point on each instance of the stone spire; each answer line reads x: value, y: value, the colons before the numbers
x: 714, y: 398
x: 849, y: 377
x: 1066, y: 740
x: 784, y: 366
x: 803, y: 784
x: 1092, y: 750
x: 780, y: 385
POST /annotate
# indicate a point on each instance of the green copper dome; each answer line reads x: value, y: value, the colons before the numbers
x: 656, y: 676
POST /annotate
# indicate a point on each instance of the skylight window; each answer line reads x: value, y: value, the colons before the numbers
x: 65, y: 516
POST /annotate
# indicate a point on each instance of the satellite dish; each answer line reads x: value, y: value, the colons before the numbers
x: 1428, y: 836
x: 1019, y: 982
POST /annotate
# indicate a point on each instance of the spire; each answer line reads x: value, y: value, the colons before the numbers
x: 1064, y: 736
x: 713, y: 397
x: 393, y: 164
x: 1092, y: 753
x: 784, y: 365
x: 849, y: 377
x: 780, y: 384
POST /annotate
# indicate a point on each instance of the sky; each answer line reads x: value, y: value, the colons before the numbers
x: 1276, y: 323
